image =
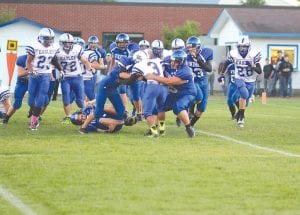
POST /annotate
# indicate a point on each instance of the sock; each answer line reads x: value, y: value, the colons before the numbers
x: 232, y: 110
x: 194, y: 120
x: 242, y: 113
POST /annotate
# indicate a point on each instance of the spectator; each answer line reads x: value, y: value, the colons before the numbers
x: 268, y: 73
x: 276, y: 75
x: 285, y: 71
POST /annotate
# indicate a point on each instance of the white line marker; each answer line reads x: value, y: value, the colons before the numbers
x: 249, y: 144
x: 8, y: 196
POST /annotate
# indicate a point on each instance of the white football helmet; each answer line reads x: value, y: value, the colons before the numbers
x: 157, y: 47
x: 177, y: 44
x: 66, y: 41
x: 243, y: 45
x: 140, y: 56
x: 144, y: 44
x: 79, y: 41
x: 46, y: 36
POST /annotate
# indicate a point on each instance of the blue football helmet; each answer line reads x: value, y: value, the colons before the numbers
x: 243, y: 46
x: 93, y: 42
x: 66, y: 41
x: 46, y: 37
x: 122, y: 37
x: 157, y: 48
x: 179, y: 56
x: 122, y: 40
x: 194, y: 42
x: 93, y: 39
x: 78, y: 118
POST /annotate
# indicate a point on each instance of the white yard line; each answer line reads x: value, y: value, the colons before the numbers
x: 289, y: 154
x: 13, y: 200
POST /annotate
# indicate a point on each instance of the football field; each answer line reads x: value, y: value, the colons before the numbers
x: 223, y: 170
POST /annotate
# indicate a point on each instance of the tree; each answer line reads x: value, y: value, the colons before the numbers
x: 7, y: 15
x: 253, y: 2
x: 189, y: 28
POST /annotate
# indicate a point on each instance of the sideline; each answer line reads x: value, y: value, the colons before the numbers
x: 289, y: 154
x: 13, y: 200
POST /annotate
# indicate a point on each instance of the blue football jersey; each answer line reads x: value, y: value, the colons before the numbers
x: 199, y: 73
x: 185, y: 73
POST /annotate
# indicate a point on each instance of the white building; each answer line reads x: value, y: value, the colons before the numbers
x: 269, y: 29
x: 23, y: 31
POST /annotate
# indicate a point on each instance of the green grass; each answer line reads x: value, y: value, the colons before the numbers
x: 55, y: 170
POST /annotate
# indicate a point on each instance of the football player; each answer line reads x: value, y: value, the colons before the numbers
x: 154, y: 93
x: 69, y: 56
x: 109, y: 122
x: 247, y: 66
x: 95, y: 56
x: 232, y: 92
x: 4, y: 102
x: 108, y: 89
x: 119, y: 51
x: 199, y: 60
x: 22, y: 87
x: 185, y: 92
x: 40, y: 57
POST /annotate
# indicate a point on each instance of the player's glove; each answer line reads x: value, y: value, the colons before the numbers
x: 221, y: 80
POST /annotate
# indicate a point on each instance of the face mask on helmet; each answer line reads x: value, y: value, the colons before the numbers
x: 194, y: 44
x: 46, y: 37
x: 93, y: 42
x: 122, y: 40
x: 78, y: 118
x: 157, y: 48
x: 66, y: 41
x: 178, y: 58
x: 144, y: 44
x: 243, y: 46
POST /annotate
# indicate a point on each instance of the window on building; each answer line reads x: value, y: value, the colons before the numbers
x: 291, y: 50
x: 108, y: 38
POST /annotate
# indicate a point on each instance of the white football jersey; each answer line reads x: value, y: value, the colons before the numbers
x: 243, y: 66
x: 90, y: 56
x: 70, y: 61
x: 152, y: 66
x: 42, y: 57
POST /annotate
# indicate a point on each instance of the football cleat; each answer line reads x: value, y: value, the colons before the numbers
x: 152, y: 132
x: 66, y: 120
x: 139, y: 117
x: 190, y: 131
x: 162, y: 128
x: 34, y: 125
x: 241, y: 123
x: 5, y: 119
